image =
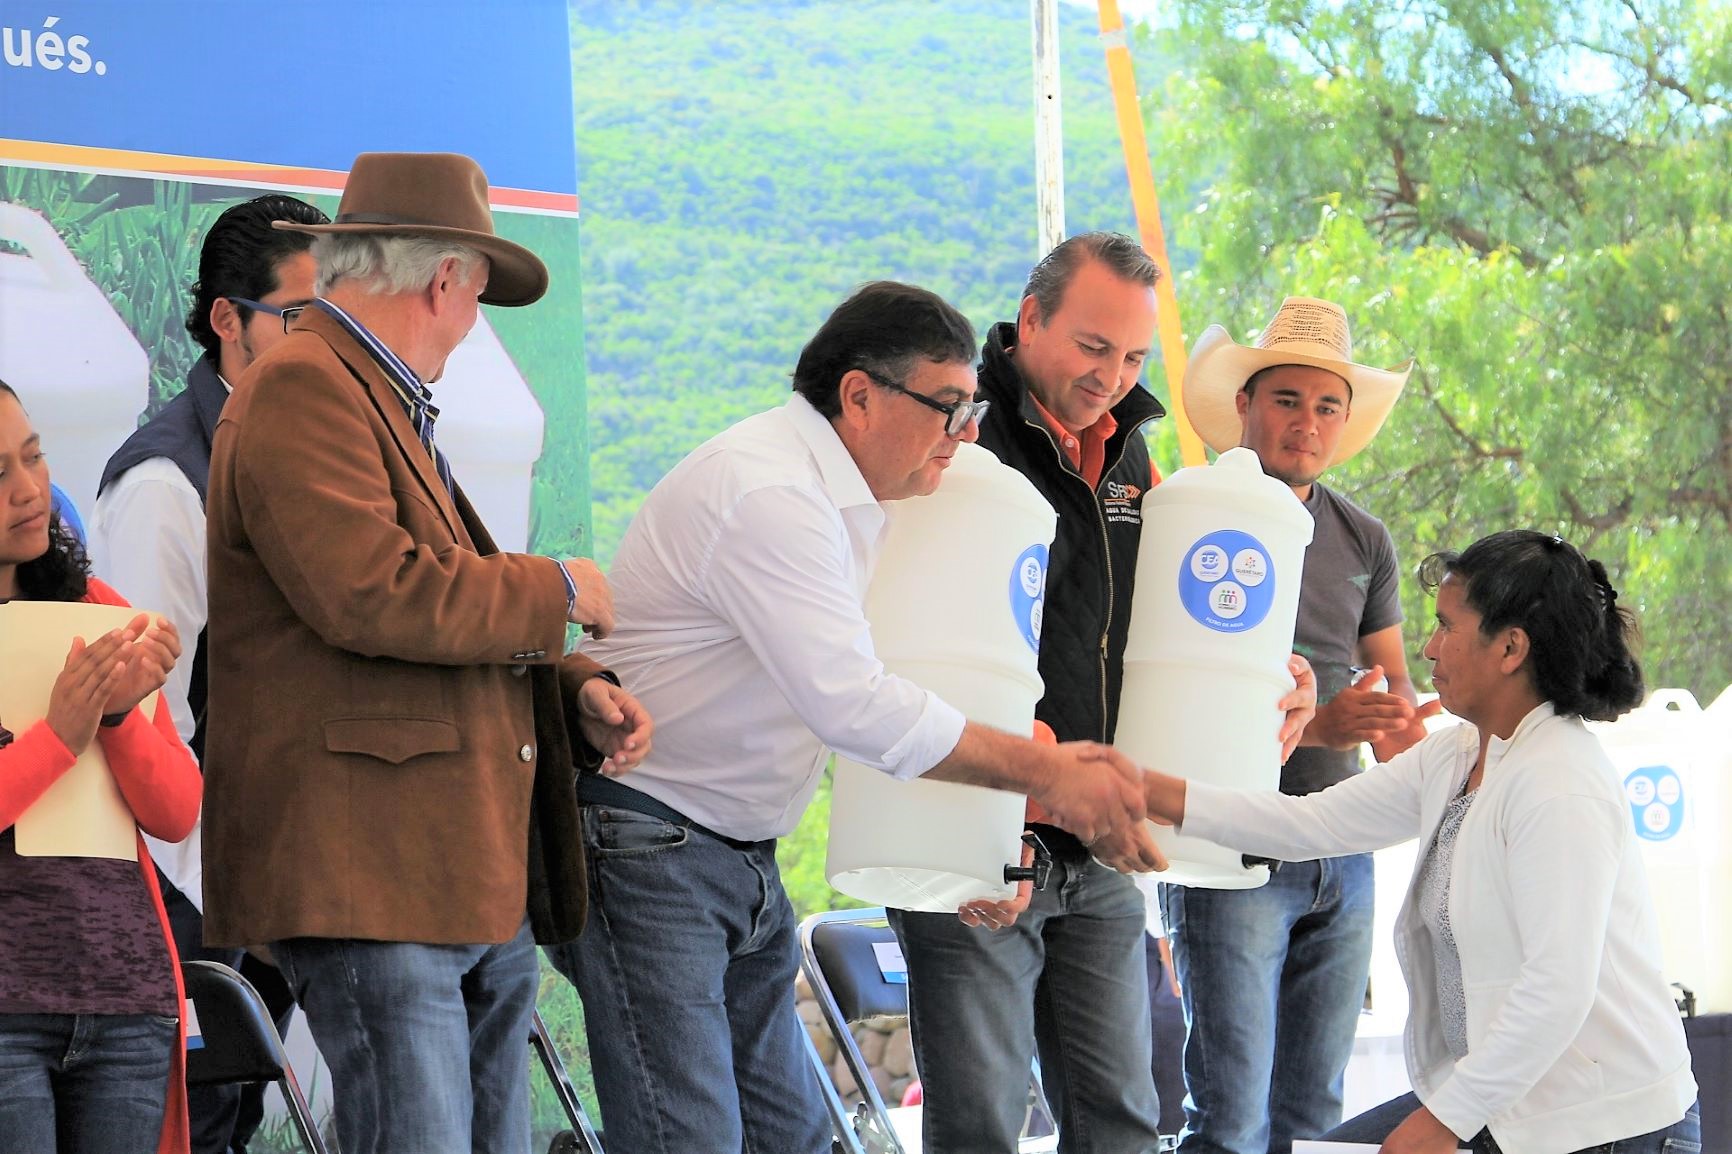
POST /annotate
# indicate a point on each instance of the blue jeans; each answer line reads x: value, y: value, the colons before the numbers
x: 1681, y: 1137
x: 83, y: 1083
x: 686, y: 970
x: 1273, y: 981
x: 1070, y: 979
x: 428, y: 1044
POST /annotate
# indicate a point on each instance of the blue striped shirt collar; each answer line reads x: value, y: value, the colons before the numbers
x: 408, y: 386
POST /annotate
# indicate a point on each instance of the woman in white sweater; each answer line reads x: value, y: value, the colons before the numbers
x: 1540, y: 1022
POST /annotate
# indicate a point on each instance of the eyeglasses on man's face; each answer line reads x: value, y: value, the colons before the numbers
x: 288, y: 313
x: 958, y: 415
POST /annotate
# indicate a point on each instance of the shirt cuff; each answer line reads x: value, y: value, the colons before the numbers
x: 933, y: 738
x: 1204, y: 804
x: 570, y: 587
x: 1453, y: 1106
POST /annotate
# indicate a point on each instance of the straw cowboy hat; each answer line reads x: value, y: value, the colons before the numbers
x: 433, y: 194
x: 1304, y: 331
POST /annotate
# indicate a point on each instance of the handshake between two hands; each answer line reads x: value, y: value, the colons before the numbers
x: 1107, y: 800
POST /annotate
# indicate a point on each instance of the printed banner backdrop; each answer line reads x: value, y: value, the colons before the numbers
x: 127, y: 128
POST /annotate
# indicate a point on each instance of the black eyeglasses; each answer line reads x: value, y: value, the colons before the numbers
x: 288, y: 313
x: 957, y: 416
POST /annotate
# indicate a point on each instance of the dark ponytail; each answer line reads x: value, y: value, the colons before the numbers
x: 1581, y: 642
x: 1617, y: 685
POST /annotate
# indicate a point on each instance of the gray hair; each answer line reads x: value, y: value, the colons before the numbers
x: 389, y: 264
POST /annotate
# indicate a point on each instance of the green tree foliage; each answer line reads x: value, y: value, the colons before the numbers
x: 1529, y: 198
x: 743, y: 165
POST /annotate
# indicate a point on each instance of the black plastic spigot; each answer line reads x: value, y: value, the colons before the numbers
x: 1037, y: 872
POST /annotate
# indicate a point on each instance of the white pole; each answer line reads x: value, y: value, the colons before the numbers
x: 1048, y: 126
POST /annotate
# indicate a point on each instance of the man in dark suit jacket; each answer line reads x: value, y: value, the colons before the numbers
x: 392, y: 688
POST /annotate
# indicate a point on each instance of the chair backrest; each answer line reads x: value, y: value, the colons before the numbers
x: 843, y: 949
x: 240, y: 1042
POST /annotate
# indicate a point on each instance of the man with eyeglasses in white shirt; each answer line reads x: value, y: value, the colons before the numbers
x: 147, y: 534
x: 740, y: 625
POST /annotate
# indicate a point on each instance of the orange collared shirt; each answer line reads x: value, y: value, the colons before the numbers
x: 1088, y: 453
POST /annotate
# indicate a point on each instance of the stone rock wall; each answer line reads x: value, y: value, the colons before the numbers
x: 887, y: 1048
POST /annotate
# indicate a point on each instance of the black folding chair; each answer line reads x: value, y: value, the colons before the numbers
x: 240, y: 1042
x: 837, y: 957
x: 581, y: 1138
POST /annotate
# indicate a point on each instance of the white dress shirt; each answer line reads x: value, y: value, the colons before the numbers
x: 1573, y: 1039
x: 738, y: 594
x: 147, y: 540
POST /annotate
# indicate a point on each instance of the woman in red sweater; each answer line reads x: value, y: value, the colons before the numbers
x: 91, y: 1047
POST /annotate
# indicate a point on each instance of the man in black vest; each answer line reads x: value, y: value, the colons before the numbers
x: 1069, y: 976
x: 148, y: 537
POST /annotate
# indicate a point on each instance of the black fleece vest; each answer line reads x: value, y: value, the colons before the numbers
x: 182, y: 432
x: 1094, y: 554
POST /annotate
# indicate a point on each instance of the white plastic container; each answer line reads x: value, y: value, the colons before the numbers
x: 955, y: 606
x: 1656, y: 748
x: 1212, y: 622
x: 1714, y: 838
x: 490, y: 428
x: 78, y: 368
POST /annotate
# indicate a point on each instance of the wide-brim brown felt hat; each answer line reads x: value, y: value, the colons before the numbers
x: 433, y: 194
x: 1304, y: 331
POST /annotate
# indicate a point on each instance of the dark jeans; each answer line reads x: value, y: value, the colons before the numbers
x: 1069, y: 979
x: 686, y: 969
x: 223, y: 1119
x: 83, y: 1083
x: 1681, y: 1137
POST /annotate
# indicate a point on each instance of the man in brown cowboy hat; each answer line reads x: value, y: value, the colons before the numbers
x: 391, y: 687
x: 1287, y: 963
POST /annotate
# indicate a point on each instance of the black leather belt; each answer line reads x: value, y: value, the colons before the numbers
x: 594, y: 789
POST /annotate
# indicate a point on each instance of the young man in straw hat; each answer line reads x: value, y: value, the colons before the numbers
x: 1273, y: 979
x: 390, y: 688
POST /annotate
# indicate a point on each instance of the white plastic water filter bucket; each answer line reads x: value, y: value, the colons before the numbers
x: 1655, y: 749
x: 1714, y: 837
x: 490, y: 428
x: 1212, y: 620
x: 80, y: 371
x: 955, y: 606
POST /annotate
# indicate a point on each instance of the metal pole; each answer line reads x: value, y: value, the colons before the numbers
x: 1048, y: 126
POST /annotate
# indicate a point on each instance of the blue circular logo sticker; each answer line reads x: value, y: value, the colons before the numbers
x: 1227, y: 581
x: 1656, y: 796
x: 1028, y: 593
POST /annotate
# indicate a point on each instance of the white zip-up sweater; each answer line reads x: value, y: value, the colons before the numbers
x: 1573, y: 1037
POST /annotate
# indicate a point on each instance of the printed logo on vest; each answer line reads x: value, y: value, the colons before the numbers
x: 1122, y: 503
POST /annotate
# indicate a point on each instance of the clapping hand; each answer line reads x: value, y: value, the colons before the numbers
x: 148, y: 661
x: 87, y: 680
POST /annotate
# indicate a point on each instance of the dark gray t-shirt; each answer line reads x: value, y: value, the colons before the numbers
x: 1350, y: 589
